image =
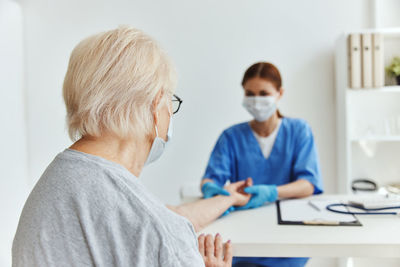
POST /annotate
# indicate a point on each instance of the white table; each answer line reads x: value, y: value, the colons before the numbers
x: 256, y: 233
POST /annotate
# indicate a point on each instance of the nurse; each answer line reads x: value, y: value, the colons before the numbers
x: 278, y: 154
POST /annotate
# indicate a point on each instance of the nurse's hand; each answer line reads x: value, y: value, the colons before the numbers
x: 214, y: 252
x: 260, y: 194
x: 211, y: 189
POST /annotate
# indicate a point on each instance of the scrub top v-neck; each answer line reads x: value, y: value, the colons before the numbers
x: 266, y: 144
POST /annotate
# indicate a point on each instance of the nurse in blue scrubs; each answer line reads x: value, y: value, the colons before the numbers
x: 278, y: 153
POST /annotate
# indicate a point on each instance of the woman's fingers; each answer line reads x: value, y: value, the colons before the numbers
x: 214, y: 252
x: 209, y: 250
x: 218, y: 247
x: 201, y: 244
x: 239, y: 186
x: 235, y: 186
x: 228, y: 253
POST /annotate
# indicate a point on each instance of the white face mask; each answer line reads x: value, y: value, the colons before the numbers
x: 260, y: 107
x: 158, y: 146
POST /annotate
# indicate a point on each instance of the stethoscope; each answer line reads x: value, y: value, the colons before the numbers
x: 377, y: 211
x: 362, y: 185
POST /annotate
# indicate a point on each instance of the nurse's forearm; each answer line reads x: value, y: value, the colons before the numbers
x: 204, y: 211
x: 298, y: 189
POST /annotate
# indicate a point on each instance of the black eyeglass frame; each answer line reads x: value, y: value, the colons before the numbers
x: 177, y: 98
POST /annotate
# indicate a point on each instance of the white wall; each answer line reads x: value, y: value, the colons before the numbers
x: 212, y: 43
x: 13, y: 176
x: 386, y: 13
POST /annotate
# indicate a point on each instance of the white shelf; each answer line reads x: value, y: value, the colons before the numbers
x: 385, y: 89
x: 384, y: 31
x: 378, y: 138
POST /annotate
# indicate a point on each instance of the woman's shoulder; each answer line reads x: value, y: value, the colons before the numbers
x: 233, y: 133
x: 76, y: 178
x: 236, y: 128
x: 297, y: 127
x: 296, y: 123
x: 74, y: 171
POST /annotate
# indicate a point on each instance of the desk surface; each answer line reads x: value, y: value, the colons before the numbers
x: 256, y: 233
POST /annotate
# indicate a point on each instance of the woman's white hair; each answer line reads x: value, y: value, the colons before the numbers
x: 112, y: 80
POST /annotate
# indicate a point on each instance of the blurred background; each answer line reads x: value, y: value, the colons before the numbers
x: 211, y: 43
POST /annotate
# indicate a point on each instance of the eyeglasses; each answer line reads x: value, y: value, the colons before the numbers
x: 176, y: 103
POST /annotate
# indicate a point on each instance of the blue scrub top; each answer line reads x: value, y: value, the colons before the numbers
x: 237, y: 155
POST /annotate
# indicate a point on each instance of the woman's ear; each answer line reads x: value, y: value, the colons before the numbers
x: 155, y: 106
x: 281, y: 92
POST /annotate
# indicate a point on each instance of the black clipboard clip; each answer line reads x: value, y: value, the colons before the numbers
x: 316, y: 222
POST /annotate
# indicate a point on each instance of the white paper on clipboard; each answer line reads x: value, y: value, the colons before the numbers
x: 301, y: 210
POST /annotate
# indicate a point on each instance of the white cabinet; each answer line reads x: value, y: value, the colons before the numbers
x: 368, y: 120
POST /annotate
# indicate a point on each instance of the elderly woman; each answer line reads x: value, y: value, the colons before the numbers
x: 89, y: 208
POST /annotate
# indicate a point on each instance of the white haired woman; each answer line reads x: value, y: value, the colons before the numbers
x: 89, y: 208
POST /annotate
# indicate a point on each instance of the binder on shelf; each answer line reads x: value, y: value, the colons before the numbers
x: 366, y: 59
x: 354, y: 48
x: 378, y: 60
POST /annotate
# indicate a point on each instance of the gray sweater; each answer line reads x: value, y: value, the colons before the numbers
x: 88, y: 211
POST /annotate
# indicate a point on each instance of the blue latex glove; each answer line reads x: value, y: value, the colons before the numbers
x: 260, y: 194
x: 210, y: 189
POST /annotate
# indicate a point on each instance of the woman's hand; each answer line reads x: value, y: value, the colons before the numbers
x: 214, y: 252
x: 237, y: 192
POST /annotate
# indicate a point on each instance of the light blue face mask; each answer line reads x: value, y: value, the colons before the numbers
x: 158, y: 146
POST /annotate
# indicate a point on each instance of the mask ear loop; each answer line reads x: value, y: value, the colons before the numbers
x: 170, y: 111
x: 155, y: 126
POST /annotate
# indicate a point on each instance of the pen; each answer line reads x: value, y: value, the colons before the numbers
x: 314, y: 206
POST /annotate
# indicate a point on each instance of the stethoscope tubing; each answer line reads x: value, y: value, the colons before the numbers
x: 330, y: 207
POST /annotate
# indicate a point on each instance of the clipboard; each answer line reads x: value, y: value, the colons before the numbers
x: 311, y: 212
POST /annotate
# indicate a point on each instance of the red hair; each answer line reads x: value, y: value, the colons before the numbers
x: 265, y: 71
